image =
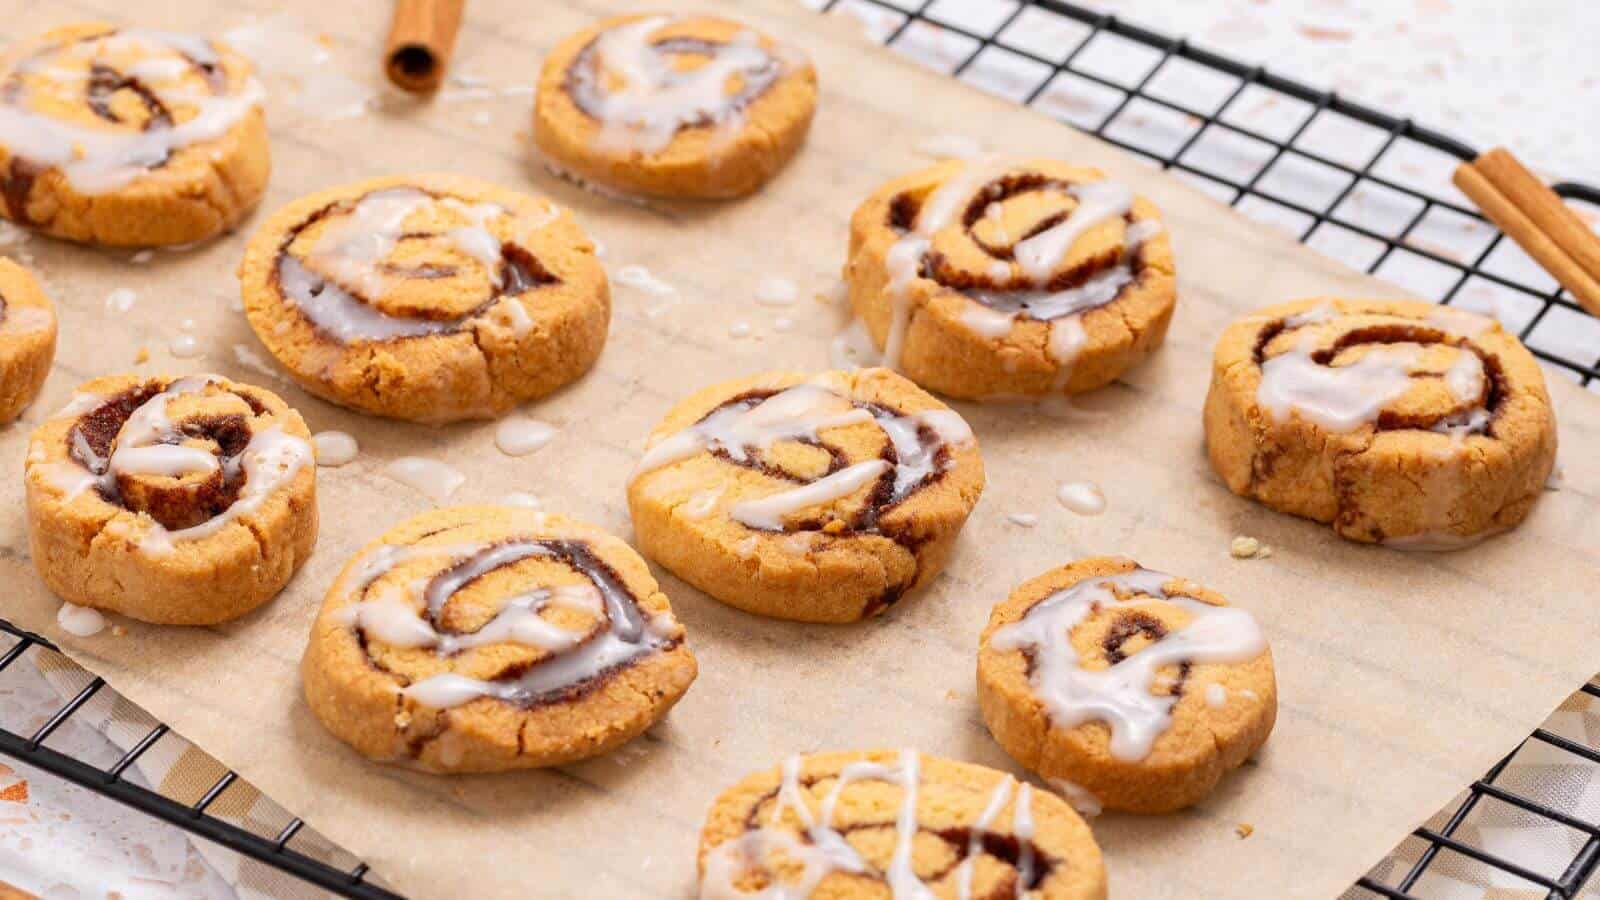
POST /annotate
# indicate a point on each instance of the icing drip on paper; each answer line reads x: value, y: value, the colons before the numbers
x: 1120, y: 694
x: 823, y: 848
x: 518, y: 435
x: 742, y: 429
x: 167, y: 71
x: 334, y: 448
x: 433, y: 479
x: 1082, y: 497
x: 409, y: 615
x: 994, y: 311
x: 626, y: 81
x: 80, y: 621
x: 149, y: 443
x: 338, y: 281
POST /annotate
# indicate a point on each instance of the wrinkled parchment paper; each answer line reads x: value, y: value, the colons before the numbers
x: 1402, y: 677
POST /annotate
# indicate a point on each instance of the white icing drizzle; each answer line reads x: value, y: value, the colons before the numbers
x: 656, y: 99
x: 98, y: 160
x: 335, y: 448
x: 767, y: 513
x: 852, y: 348
x: 994, y: 312
x: 1022, y: 829
x: 802, y: 412
x: 991, y: 811
x: 1025, y: 520
x: 518, y: 435
x: 1082, y: 497
x: 1098, y: 201
x: 640, y: 278
x: 702, y: 504
x: 1078, y: 797
x: 433, y: 479
x: 777, y: 292
x: 1336, y: 398
x: 1216, y: 696
x: 1343, y: 398
x: 621, y: 630
x: 80, y: 621
x: 825, y: 850
x: 184, y: 345
x: 344, y: 271
x: 120, y: 300
x: 1120, y: 694
x: 141, y: 447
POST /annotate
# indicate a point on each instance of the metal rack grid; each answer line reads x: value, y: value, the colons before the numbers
x: 902, y: 17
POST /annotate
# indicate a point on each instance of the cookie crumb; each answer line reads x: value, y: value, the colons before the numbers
x: 952, y: 695
x: 1264, y: 553
x: 1244, y: 547
x: 142, y: 356
x: 118, y: 631
x: 1244, y: 830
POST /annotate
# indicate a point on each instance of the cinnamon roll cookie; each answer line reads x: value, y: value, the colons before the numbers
x: 1398, y: 422
x: 674, y: 106
x: 1125, y: 688
x: 27, y: 338
x: 128, y: 136
x: 1003, y: 277
x: 871, y: 824
x: 432, y: 298
x: 479, y: 639
x: 819, y: 498
x: 180, y: 501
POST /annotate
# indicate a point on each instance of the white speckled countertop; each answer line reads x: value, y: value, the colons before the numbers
x: 1521, y: 74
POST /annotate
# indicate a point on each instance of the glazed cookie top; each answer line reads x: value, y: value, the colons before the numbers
x: 858, y: 824
x: 25, y: 312
x: 168, y: 463
x: 1144, y: 656
x: 659, y: 84
x: 499, y: 604
x: 106, y: 106
x: 398, y: 261
x: 839, y: 453
x: 1014, y: 247
x: 1386, y: 367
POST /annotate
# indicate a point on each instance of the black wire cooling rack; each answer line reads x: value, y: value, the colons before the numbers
x: 1009, y: 33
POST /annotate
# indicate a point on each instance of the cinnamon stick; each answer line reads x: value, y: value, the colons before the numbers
x: 1538, y: 220
x: 421, y: 39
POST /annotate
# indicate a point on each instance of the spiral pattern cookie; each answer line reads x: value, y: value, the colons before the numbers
x: 1127, y: 689
x: 1398, y: 422
x: 480, y: 639
x: 673, y: 106
x: 181, y: 501
x: 431, y: 298
x: 819, y: 498
x: 129, y: 137
x: 27, y: 338
x: 881, y: 823
x: 1001, y: 277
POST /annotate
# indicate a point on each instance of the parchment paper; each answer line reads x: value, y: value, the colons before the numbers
x: 1402, y: 677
